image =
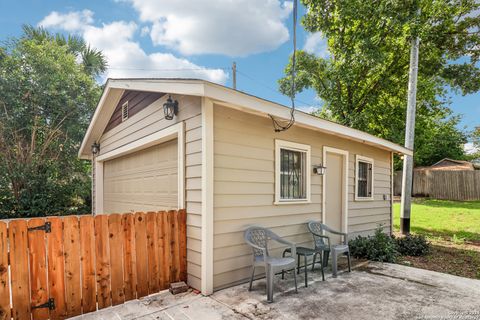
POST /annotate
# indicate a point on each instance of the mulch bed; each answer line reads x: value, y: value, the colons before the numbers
x: 458, y: 259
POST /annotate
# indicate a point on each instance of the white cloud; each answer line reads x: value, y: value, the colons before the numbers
x: 470, y: 148
x: 125, y: 56
x: 72, y: 21
x: 233, y: 28
x: 316, y: 44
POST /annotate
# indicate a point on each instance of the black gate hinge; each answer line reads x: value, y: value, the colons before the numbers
x: 50, y: 304
x: 47, y: 227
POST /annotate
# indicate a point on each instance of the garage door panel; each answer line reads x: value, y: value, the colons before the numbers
x: 120, y: 172
x: 142, y: 181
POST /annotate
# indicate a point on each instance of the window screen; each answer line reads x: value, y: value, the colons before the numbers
x: 364, y: 179
x: 293, y: 174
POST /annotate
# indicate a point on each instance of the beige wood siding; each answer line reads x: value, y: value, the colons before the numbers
x: 142, y: 181
x: 244, y: 153
x: 151, y: 120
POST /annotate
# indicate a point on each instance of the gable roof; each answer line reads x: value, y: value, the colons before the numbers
x: 439, y: 163
x: 222, y: 95
x: 451, y: 164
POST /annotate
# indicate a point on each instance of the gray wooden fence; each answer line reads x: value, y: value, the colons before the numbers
x: 447, y: 185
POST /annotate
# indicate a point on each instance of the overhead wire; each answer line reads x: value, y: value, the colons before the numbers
x: 278, y: 124
x: 263, y: 84
x: 177, y: 69
x: 282, y: 125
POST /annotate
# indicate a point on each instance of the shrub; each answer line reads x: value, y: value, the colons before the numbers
x: 413, y: 245
x: 379, y: 247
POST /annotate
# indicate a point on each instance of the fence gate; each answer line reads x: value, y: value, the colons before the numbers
x: 58, y: 267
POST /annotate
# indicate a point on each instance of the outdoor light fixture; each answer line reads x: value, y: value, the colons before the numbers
x: 319, y: 170
x: 170, y: 108
x: 95, y: 148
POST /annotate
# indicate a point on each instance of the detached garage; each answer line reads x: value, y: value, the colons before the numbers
x: 160, y: 144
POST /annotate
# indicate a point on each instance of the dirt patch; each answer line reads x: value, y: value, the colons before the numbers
x: 450, y: 259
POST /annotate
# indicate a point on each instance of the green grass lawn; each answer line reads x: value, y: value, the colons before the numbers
x: 451, y: 220
x: 453, y: 228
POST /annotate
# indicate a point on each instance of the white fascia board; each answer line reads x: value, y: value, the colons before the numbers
x: 245, y: 101
x: 103, y: 112
x: 188, y: 87
x: 232, y: 98
x: 81, y: 153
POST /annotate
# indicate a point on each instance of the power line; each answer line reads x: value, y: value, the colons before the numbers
x: 271, y: 88
x: 215, y: 68
x: 179, y: 69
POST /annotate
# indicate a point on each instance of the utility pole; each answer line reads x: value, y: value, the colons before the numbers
x: 234, y: 75
x: 406, y: 204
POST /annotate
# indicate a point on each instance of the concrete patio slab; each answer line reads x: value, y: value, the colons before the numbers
x: 165, y: 306
x: 370, y: 291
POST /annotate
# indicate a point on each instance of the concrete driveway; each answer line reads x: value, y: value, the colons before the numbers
x: 370, y: 291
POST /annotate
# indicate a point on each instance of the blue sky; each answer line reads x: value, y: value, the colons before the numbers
x: 141, y: 38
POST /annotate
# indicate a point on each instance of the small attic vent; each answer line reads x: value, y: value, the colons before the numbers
x: 125, y: 111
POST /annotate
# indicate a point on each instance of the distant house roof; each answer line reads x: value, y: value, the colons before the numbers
x: 450, y: 165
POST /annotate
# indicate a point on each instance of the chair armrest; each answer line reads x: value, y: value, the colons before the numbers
x: 338, y: 232
x: 343, y: 234
x: 292, y: 245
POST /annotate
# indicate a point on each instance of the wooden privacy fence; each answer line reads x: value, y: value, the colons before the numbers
x: 58, y: 267
x: 443, y: 184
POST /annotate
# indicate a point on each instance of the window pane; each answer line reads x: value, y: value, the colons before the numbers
x: 364, y: 179
x: 292, y: 174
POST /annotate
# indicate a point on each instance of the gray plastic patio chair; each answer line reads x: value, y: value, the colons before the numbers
x: 323, y: 244
x: 258, y: 238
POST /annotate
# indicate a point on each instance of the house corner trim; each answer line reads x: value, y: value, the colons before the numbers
x: 207, y: 196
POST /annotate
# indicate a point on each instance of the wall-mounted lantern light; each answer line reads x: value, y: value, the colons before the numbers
x: 95, y: 148
x: 319, y: 170
x: 170, y: 108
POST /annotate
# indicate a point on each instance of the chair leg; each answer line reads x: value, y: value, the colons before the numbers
x: 298, y: 264
x: 349, y: 264
x: 269, y: 285
x: 295, y: 279
x: 322, y: 267
x: 326, y: 254
x: 305, y: 269
x: 334, y: 264
x: 313, y: 263
x: 251, y: 278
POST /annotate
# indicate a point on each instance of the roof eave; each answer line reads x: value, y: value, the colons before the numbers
x: 222, y: 94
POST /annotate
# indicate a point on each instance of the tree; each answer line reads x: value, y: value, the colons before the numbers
x: 363, y: 82
x: 439, y: 138
x: 92, y: 60
x: 474, y: 154
x: 47, y: 95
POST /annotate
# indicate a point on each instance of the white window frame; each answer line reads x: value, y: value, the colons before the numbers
x: 288, y: 145
x: 358, y: 159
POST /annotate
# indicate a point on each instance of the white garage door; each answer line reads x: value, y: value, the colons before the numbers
x: 145, y: 180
